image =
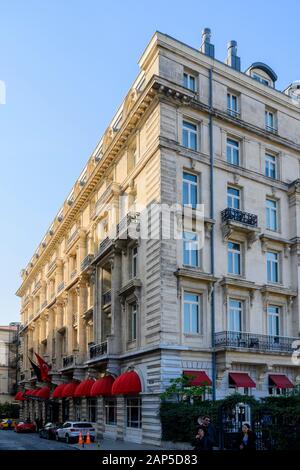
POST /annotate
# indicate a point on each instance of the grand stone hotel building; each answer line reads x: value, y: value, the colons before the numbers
x: 133, y: 312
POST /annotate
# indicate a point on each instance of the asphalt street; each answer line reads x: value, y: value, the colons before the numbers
x: 10, y: 440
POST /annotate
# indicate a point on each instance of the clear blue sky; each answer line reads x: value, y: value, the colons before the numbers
x: 67, y: 66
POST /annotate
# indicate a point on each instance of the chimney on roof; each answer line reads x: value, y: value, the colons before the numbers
x: 206, y: 47
x: 233, y: 60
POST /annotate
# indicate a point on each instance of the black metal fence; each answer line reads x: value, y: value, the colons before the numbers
x: 272, y: 432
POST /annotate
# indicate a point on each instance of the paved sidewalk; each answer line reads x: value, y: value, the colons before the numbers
x: 111, y: 444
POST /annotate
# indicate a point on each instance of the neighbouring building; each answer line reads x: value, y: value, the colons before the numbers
x: 8, y: 361
x: 117, y: 314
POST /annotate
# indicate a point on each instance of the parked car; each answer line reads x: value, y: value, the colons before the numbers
x: 70, y: 431
x: 25, y: 427
x: 49, y: 430
x: 7, y: 423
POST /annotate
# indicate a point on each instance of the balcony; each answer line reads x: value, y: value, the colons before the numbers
x: 237, y: 221
x: 51, y: 267
x: 36, y: 287
x: 106, y: 298
x: 104, y: 245
x: 233, y: 113
x: 254, y: 342
x: 72, y: 238
x: 112, y: 188
x: 69, y: 361
x: 128, y: 226
x: 60, y: 287
x: 86, y: 262
x: 98, y: 350
x: 271, y: 129
x: 73, y: 274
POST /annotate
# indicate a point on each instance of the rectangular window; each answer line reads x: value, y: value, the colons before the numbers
x: 191, y: 313
x: 134, y: 254
x: 272, y: 266
x: 235, y: 315
x: 189, y: 81
x: 189, y: 135
x: 270, y: 166
x: 190, y: 189
x: 271, y: 214
x: 190, y: 249
x: 110, y: 405
x: 134, y: 412
x: 233, y: 152
x: 260, y: 79
x: 234, y: 258
x: 232, y: 104
x: 92, y: 408
x: 270, y: 121
x: 133, y: 322
x: 233, y: 198
x: 273, y: 320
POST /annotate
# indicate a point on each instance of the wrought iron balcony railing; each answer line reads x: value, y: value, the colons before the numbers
x: 255, y: 342
x: 106, y: 298
x: 86, y: 262
x: 68, y: 361
x: 98, y: 350
x: 60, y: 286
x: 239, y: 216
x: 271, y: 129
x: 233, y: 113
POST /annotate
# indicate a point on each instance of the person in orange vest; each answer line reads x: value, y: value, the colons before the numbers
x: 88, y: 438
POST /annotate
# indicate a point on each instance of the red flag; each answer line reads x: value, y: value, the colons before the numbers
x: 44, y: 367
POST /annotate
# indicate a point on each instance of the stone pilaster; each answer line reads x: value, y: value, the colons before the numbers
x: 120, y: 418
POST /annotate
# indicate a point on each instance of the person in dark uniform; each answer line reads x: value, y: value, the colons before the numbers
x: 201, y: 441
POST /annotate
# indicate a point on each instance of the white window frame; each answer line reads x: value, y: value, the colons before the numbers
x: 270, y: 120
x: 261, y: 79
x: 189, y: 246
x: 271, y: 160
x: 233, y: 147
x: 192, y: 185
x: 235, y: 310
x: 185, y: 128
x: 134, y: 262
x: 191, y: 303
x: 233, y: 197
x: 271, y: 214
x: 188, y: 78
x: 133, y: 309
x: 273, y: 316
x: 234, y: 252
x: 232, y: 109
x: 273, y: 263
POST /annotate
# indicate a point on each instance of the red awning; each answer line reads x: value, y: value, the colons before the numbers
x: 102, y: 387
x: 127, y: 383
x: 241, y: 379
x: 58, y: 391
x: 198, y: 377
x: 84, y: 388
x: 44, y: 393
x: 19, y: 396
x: 281, y: 381
x: 28, y: 392
x: 69, y: 390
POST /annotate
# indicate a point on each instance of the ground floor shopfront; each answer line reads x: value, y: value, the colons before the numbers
x: 123, y: 400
